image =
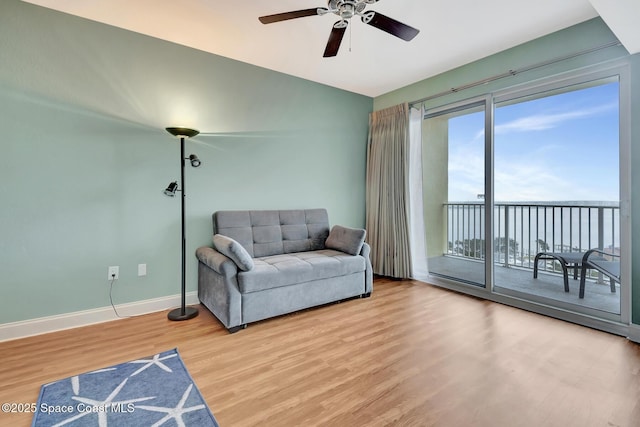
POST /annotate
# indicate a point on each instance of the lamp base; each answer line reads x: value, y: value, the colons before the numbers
x: 177, y: 314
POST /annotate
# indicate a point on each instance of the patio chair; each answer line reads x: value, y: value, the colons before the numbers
x: 596, y: 259
x: 566, y: 259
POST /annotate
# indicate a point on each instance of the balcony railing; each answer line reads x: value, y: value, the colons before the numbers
x: 522, y: 229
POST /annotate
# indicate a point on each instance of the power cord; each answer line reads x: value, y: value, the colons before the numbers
x: 113, y: 279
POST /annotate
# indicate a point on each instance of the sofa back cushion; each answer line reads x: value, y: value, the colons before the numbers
x: 274, y: 232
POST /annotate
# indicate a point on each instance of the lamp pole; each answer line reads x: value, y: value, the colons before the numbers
x: 184, y: 312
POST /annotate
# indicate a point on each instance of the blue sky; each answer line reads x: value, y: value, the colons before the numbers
x: 562, y: 147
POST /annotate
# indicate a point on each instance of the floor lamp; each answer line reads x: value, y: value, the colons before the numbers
x: 184, y: 312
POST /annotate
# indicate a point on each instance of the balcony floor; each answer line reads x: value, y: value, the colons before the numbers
x: 548, y: 287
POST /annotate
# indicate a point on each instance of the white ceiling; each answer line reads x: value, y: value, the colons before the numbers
x: 370, y: 62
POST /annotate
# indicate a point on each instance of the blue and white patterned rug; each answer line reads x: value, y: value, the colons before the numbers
x: 153, y: 391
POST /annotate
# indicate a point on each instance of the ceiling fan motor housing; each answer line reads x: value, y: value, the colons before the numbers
x: 346, y: 9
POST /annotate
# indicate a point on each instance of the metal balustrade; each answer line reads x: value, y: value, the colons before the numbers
x: 522, y: 229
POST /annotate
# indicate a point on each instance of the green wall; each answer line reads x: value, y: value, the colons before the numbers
x: 574, y: 39
x: 578, y: 38
x: 85, y: 157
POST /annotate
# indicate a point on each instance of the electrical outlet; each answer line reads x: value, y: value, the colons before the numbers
x: 113, y: 273
x: 142, y: 269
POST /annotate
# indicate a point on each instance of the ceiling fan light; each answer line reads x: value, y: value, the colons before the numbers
x: 347, y: 11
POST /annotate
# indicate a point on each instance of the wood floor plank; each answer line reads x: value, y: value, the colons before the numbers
x: 411, y: 355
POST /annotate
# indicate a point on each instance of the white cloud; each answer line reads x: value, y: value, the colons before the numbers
x: 539, y: 122
x: 520, y: 178
x: 516, y: 179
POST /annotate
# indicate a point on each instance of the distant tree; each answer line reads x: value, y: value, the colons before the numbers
x: 457, y: 246
x: 500, y: 245
x: 473, y: 248
x: 542, y: 245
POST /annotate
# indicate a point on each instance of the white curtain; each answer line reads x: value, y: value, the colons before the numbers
x: 387, y: 192
x: 420, y: 269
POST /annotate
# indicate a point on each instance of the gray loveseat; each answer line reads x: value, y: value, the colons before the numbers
x: 268, y: 263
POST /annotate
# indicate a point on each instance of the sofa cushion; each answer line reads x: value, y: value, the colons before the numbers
x: 345, y: 239
x: 234, y: 250
x: 268, y: 232
x: 288, y: 269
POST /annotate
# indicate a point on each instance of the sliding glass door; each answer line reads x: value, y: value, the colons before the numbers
x: 520, y: 184
x: 557, y: 192
x: 453, y: 153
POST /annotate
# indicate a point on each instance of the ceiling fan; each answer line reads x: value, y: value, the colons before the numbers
x: 346, y: 9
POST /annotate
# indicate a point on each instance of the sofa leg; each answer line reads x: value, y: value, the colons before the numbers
x: 236, y: 328
x: 367, y: 295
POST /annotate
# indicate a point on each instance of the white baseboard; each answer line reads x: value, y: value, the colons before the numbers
x: 43, y: 325
x: 634, y: 333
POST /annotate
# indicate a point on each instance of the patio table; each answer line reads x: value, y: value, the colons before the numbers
x: 566, y: 259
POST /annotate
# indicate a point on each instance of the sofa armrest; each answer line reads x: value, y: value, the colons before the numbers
x: 218, y: 286
x: 216, y: 261
x: 368, y: 275
x: 366, y: 251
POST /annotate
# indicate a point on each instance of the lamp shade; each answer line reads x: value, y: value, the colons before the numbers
x: 171, y: 189
x: 195, y: 161
x: 182, y: 132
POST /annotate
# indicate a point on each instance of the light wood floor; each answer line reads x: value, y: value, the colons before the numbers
x: 411, y: 355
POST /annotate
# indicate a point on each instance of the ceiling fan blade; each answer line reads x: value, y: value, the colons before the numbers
x: 390, y: 25
x: 278, y: 17
x: 335, y: 38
